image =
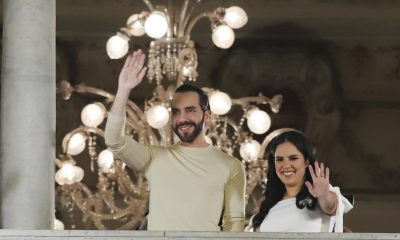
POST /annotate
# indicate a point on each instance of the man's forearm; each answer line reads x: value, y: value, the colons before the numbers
x: 121, y: 99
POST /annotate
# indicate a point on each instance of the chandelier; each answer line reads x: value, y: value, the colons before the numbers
x: 119, y: 197
x: 172, y: 54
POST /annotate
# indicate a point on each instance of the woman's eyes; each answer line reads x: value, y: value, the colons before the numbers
x: 291, y: 158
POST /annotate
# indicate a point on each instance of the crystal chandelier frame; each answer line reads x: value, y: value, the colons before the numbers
x: 121, y: 196
x: 172, y: 54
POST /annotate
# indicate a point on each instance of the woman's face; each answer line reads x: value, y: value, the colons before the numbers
x: 290, y: 165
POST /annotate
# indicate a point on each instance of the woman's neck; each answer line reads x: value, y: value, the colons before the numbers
x: 291, y: 192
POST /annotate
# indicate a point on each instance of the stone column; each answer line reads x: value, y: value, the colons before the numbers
x: 28, y: 114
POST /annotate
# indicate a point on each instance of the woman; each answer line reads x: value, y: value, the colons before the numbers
x: 298, y: 196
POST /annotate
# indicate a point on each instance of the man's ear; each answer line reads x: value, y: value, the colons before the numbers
x: 207, y: 115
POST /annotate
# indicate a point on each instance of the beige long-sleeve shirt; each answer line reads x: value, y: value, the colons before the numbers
x: 189, y: 187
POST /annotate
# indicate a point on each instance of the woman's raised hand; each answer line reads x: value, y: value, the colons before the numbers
x: 319, y: 188
x: 133, y: 71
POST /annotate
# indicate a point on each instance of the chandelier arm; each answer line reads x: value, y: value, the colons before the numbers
x: 149, y: 4
x: 263, y: 146
x: 246, y: 100
x: 109, y: 203
x: 82, y: 88
x: 195, y: 20
x: 147, y: 134
x: 181, y: 26
x: 126, y: 184
x: 105, y: 216
x: 131, y: 224
x: 234, y: 125
x: 135, y: 109
x: 132, y: 118
x: 169, y: 12
x: 163, y: 136
x: 186, y: 20
x: 98, y: 224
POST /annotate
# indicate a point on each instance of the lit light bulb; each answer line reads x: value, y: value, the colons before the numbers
x: 136, y: 28
x: 93, y: 114
x: 235, y: 17
x: 117, y: 46
x: 157, y: 116
x: 258, y: 121
x: 76, y: 143
x: 249, y: 150
x: 220, y: 102
x: 69, y: 174
x: 223, y: 36
x: 105, y: 161
x: 58, y: 225
x: 156, y: 24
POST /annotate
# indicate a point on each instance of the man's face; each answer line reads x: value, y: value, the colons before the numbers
x: 187, y: 116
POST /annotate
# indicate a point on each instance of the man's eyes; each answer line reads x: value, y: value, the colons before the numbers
x: 174, y: 112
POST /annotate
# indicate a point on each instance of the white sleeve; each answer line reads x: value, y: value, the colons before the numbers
x: 343, y: 206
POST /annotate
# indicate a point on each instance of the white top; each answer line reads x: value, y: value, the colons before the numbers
x: 286, y: 217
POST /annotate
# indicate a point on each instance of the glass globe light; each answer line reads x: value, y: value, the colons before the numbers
x: 156, y: 24
x: 249, y: 150
x: 93, y: 114
x: 105, y: 161
x: 235, y: 17
x: 220, y: 102
x: 223, y: 36
x: 76, y: 143
x: 58, y: 225
x: 69, y: 174
x: 135, y: 26
x: 117, y: 46
x: 157, y: 116
x: 258, y: 121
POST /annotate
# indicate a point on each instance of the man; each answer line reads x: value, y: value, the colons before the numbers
x: 191, y: 183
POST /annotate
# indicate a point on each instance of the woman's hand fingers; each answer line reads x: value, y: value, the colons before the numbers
x: 327, y: 174
x: 310, y: 188
x: 312, y: 173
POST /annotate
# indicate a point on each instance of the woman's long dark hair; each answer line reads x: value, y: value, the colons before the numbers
x: 275, y: 189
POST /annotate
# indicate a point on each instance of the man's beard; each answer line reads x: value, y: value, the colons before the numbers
x: 189, y: 137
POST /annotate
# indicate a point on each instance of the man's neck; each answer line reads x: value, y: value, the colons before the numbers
x: 199, y: 142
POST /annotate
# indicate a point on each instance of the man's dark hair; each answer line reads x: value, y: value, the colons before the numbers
x: 203, y: 98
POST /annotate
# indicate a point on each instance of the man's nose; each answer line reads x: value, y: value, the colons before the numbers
x: 181, y: 117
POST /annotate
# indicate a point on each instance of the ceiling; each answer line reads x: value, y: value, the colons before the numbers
x: 345, y: 21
